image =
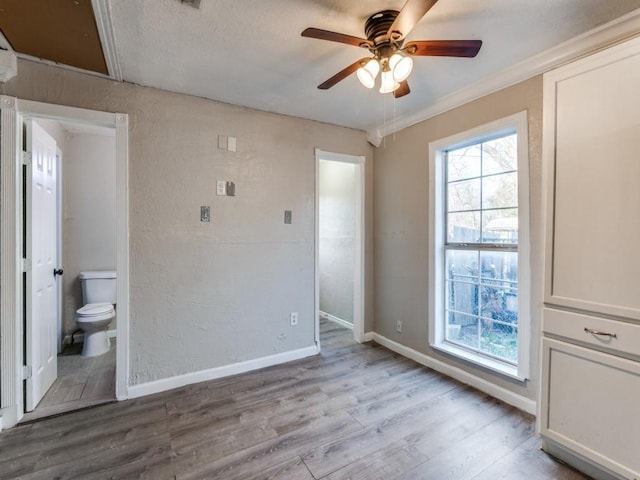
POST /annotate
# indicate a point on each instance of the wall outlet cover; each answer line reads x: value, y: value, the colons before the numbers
x: 221, y: 187
x: 205, y: 213
x: 287, y: 216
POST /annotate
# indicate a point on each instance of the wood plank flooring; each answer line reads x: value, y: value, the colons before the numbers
x: 82, y: 382
x: 356, y: 412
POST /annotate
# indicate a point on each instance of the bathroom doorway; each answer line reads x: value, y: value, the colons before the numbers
x: 340, y: 240
x: 83, y: 160
x: 91, y: 226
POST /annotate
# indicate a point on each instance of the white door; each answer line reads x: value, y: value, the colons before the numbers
x: 41, y: 235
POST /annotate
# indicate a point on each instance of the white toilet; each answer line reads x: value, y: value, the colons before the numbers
x: 99, y: 296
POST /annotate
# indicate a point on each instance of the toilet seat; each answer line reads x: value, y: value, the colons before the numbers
x: 95, y: 311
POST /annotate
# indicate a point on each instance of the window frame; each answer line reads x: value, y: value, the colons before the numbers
x: 516, y: 123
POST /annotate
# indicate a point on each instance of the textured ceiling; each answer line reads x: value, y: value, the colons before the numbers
x: 250, y: 52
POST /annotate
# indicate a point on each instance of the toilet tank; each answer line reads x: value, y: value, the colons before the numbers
x: 98, y: 286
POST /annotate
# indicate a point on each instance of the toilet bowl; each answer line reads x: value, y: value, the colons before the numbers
x: 94, y: 319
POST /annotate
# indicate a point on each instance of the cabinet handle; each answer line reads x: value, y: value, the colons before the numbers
x: 598, y: 332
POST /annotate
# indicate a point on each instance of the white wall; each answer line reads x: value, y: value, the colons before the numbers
x: 56, y: 130
x: 89, y: 225
x: 337, y: 231
x: 401, y: 225
x: 206, y: 295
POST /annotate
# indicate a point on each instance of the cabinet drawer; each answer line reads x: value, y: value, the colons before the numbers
x: 571, y: 325
x: 590, y: 405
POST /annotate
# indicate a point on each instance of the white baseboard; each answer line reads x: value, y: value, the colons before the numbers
x: 170, y: 383
x: 368, y: 337
x: 463, y: 376
x: 79, y: 337
x: 335, y: 319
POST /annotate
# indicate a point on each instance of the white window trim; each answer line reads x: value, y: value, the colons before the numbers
x: 517, y: 122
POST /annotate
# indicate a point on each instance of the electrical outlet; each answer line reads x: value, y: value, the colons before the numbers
x: 399, y: 326
x: 287, y: 216
x: 294, y: 318
x: 221, y: 187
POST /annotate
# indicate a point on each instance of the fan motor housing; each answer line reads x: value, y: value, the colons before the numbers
x: 378, y: 24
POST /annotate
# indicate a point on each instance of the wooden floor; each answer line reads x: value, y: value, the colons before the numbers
x: 355, y: 412
x: 81, y: 382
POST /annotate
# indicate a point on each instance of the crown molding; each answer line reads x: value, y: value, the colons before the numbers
x: 102, y: 12
x: 616, y: 31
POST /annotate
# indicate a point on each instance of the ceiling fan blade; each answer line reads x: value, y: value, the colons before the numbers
x: 336, y: 37
x: 342, y: 74
x: 443, y: 48
x: 409, y: 16
x: 402, y: 90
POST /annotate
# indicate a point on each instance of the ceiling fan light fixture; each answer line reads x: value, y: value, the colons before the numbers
x: 387, y: 83
x: 400, y: 66
x: 367, y: 74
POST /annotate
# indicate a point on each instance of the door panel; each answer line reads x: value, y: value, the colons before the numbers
x: 41, y: 324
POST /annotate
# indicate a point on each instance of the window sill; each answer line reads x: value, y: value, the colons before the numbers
x: 495, y: 366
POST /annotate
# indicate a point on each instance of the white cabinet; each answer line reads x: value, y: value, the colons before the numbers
x: 590, y: 395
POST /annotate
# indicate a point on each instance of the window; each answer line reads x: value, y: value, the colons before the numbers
x: 479, y: 248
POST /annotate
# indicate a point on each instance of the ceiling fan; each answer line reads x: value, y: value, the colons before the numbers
x: 386, y: 32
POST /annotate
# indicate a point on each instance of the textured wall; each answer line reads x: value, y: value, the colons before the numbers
x: 205, y: 295
x: 89, y: 227
x: 401, y: 220
x: 337, y: 216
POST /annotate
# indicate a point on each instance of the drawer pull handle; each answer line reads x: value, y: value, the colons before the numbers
x: 598, y: 332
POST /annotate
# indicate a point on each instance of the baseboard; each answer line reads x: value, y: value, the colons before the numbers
x: 335, y: 319
x: 463, y: 376
x: 170, y: 383
x: 368, y: 337
x: 79, y: 337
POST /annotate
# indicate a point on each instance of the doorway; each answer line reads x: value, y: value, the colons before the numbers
x: 86, y: 129
x: 85, y: 169
x: 340, y: 240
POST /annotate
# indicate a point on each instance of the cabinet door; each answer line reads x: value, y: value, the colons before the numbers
x: 590, y: 405
x: 592, y: 148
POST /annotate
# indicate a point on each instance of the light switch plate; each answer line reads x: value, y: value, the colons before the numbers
x: 221, y: 187
x: 232, y: 144
x: 222, y: 142
x: 287, y: 216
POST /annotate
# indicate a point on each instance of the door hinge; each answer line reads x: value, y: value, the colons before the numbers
x: 26, y: 372
x: 26, y: 264
x: 26, y: 158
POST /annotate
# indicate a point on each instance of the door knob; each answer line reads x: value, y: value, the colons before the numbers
x: 57, y: 271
